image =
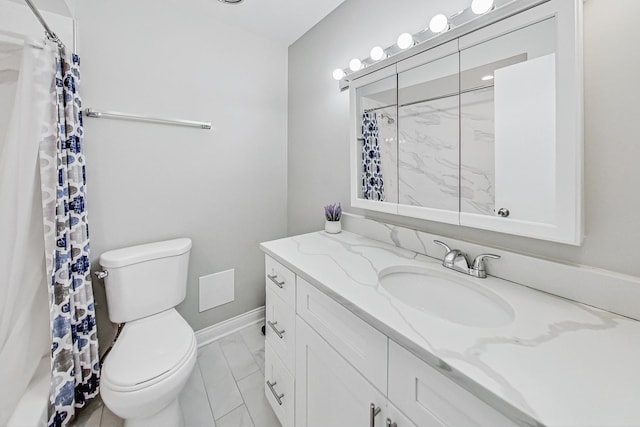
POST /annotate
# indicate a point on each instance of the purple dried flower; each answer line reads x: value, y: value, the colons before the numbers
x: 333, y: 212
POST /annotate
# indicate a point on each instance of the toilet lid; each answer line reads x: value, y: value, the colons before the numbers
x: 148, y: 349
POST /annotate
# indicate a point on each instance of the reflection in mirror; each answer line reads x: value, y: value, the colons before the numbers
x: 507, y: 109
x: 378, y: 146
x: 428, y: 172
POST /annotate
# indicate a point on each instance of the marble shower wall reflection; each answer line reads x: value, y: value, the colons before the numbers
x: 477, y: 158
x: 428, y: 154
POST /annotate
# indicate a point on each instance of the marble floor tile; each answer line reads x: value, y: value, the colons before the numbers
x: 252, y: 336
x: 258, y: 356
x: 219, y: 382
x: 252, y: 389
x: 109, y: 419
x: 238, y: 356
x: 90, y: 415
x: 195, y: 403
x: 239, y: 417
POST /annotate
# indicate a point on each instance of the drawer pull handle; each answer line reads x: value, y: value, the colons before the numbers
x: 274, y: 279
x: 391, y: 423
x: 373, y: 411
x: 274, y: 392
x: 273, y: 326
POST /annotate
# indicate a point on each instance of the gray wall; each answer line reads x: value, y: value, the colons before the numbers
x: 226, y: 188
x: 319, y: 126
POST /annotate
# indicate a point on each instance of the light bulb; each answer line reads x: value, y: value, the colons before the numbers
x: 481, y: 6
x: 355, y: 64
x: 405, y: 41
x: 338, y: 73
x: 439, y: 23
x: 377, y: 53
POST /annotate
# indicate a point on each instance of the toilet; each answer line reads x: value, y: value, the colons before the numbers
x: 155, y: 352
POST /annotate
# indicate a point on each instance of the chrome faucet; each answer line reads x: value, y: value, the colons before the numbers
x: 456, y: 260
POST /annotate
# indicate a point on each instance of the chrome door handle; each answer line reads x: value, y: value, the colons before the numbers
x: 373, y: 411
x: 391, y: 423
x: 273, y: 326
x: 274, y: 279
x: 274, y: 392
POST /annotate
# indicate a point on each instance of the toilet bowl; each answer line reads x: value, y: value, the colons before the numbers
x: 155, y: 352
x: 147, y: 368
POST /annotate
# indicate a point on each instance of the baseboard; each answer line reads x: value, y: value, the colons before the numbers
x: 229, y: 326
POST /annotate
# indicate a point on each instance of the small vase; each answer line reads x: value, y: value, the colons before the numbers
x: 332, y: 227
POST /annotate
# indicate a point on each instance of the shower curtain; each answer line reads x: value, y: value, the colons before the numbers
x: 372, y: 182
x: 75, y: 369
x: 46, y: 300
x: 25, y: 81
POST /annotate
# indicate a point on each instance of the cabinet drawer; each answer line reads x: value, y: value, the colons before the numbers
x: 280, y: 329
x: 432, y: 400
x: 358, y: 342
x: 281, y: 393
x: 280, y: 280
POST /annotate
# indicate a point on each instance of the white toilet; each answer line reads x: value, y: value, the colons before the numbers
x: 156, y: 350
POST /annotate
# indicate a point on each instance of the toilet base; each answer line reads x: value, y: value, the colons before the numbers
x: 170, y: 416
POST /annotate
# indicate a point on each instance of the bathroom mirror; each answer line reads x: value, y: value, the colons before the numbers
x: 428, y: 129
x: 482, y: 131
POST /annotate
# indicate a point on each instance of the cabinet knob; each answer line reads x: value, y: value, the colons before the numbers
x: 391, y: 423
x: 503, y: 212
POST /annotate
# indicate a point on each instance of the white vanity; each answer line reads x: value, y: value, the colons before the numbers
x: 346, y: 348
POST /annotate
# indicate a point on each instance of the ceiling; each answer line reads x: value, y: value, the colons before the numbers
x: 283, y: 21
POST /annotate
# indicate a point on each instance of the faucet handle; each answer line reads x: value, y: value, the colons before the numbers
x: 444, y: 245
x: 478, y: 264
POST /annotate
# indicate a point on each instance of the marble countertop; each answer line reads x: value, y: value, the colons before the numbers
x: 558, y: 363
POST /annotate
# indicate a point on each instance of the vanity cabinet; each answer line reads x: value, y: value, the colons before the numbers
x: 484, y: 130
x: 325, y: 366
x: 280, y: 340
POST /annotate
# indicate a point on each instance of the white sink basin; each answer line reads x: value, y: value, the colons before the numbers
x: 448, y: 295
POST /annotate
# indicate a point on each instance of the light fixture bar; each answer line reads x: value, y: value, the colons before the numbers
x: 458, y: 25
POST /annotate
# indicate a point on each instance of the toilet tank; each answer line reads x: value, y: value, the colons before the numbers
x: 145, y: 279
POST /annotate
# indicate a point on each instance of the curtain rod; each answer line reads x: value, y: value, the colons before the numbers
x: 92, y: 112
x: 47, y: 30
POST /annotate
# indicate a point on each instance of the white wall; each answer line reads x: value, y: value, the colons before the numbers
x: 226, y: 188
x: 318, y: 126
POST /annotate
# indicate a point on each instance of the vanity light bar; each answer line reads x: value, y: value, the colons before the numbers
x: 439, y: 24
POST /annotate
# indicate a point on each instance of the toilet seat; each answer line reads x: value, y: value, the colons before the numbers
x: 148, y: 351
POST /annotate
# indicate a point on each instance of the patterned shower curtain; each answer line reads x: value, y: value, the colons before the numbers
x: 372, y: 182
x: 75, y: 369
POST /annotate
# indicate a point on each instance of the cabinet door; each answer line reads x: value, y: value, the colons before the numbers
x: 329, y: 391
x: 364, y: 347
x: 520, y: 126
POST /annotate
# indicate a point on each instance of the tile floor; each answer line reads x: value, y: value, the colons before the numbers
x: 226, y: 388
